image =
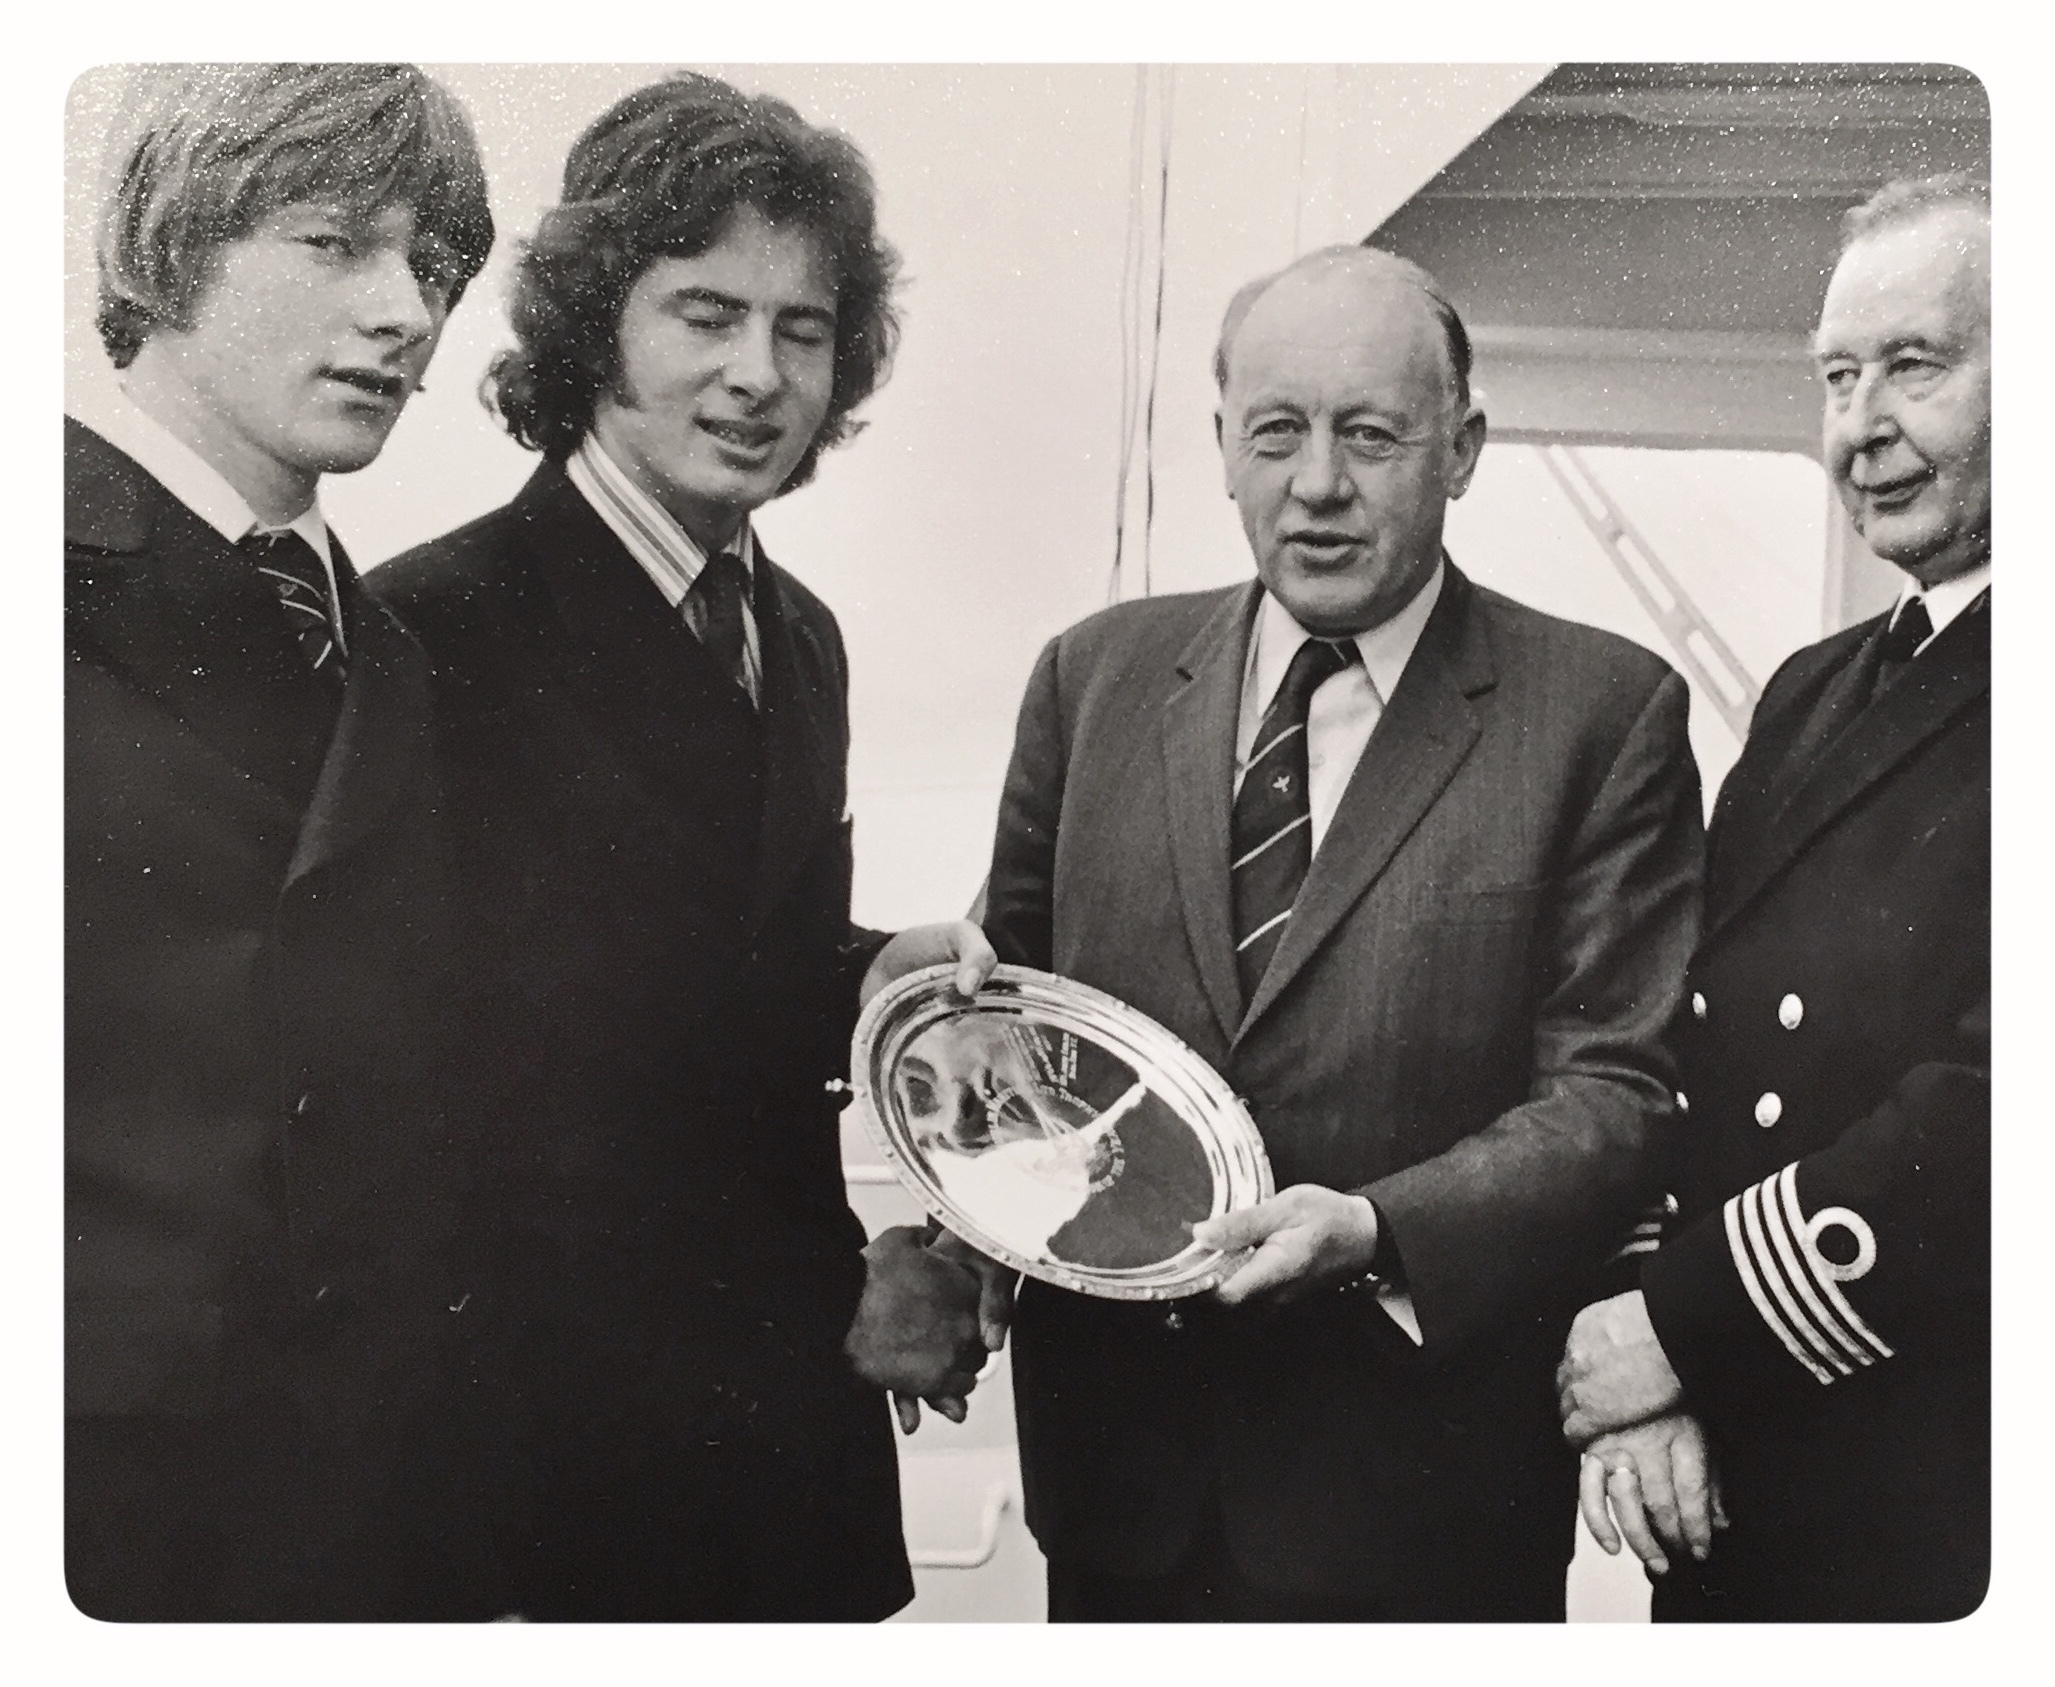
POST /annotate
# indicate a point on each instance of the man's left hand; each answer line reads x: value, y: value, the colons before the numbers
x: 1306, y: 1238
x: 1654, y: 1485
x: 1614, y: 1372
x: 916, y: 1330
x: 928, y: 946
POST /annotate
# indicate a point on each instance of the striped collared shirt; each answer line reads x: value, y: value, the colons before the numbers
x: 654, y: 539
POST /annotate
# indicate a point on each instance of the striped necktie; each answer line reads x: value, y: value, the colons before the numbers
x: 1273, y: 818
x: 714, y: 606
x: 296, y: 573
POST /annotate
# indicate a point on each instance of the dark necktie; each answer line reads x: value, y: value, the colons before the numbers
x: 289, y: 563
x: 1910, y: 629
x: 1273, y: 818
x: 714, y: 606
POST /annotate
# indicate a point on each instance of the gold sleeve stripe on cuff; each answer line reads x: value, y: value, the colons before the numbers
x: 1794, y: 1221
x: 1744, y: 1266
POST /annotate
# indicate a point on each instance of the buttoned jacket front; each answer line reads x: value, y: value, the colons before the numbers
x: 1824, y: 1290
x: 256, y: 1212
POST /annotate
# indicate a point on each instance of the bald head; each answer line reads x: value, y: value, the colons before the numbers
x: 1344, y: 433
x: 1377, y: 268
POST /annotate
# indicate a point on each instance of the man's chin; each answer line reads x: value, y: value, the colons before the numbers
x: 1928, y: 553
x: 358, y: 449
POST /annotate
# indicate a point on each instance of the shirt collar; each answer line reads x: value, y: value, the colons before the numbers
x: 1947, y: 600
x: 189, y: 477
x: 1386, y: 647
x: 667, y: 553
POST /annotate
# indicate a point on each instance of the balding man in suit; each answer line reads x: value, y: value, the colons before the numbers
x: 1415, y: 867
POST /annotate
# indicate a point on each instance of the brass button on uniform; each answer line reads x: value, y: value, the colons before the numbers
x: 1769, y: 1108
x: 1698, y: 1004
x: 1790, y: 1013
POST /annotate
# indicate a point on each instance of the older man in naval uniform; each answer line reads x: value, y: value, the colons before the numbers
x: 1809, y: 1350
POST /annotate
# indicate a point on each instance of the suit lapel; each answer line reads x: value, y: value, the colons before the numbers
x: 1426, y: 731
x: 1807, y: 696
x: 1946, y: 679
x: 157, y: 597
x: 799, y: 739
x: 1199, y: 724
x: 645, y: 686
x: 380, y: 746
x: 602, y: 636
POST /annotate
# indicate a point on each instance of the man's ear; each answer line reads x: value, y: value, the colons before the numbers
x: 1465, y: 449
x: 1220, y: 439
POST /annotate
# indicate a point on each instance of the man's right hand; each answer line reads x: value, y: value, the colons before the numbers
x: 917, y: 1327
x: 1663, y: 1492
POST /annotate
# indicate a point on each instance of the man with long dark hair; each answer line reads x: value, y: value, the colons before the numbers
x: 683, y: 1341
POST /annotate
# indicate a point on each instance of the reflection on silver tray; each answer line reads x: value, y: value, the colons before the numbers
x: 1057, y: 1129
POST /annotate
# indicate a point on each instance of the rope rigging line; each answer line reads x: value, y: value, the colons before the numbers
x: 1156, y: 339
x: 1136, y: 409
x: 1130, y: 327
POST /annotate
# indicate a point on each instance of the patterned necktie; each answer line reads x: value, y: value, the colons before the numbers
x: 1910, y: 629
x: 1273, y: 818
x: 289, y: 563
x: 714, y: 606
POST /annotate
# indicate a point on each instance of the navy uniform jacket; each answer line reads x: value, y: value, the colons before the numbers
x: 1824, y: 1290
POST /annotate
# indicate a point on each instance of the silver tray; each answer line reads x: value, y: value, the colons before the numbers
x: 1056, y: 1129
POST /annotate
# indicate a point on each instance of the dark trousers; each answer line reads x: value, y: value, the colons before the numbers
x: 1207, y: 1586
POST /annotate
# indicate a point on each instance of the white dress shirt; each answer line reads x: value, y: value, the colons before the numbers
x: 654, y: 539
x: 1344, y: 711
x: 1340, y: 718
x: 196, y: 483
x: 1945, y: 601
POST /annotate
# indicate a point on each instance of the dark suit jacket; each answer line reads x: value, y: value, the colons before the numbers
x: 1832, y: 1321
x: 1463, y: 1020
x: 656, y: 899
x: 254, y: 1231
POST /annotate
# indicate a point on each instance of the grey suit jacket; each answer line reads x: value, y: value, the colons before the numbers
x: 1464, y: 1021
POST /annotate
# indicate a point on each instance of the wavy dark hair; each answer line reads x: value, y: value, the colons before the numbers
x: 659, y: 175
x: 218, y: 147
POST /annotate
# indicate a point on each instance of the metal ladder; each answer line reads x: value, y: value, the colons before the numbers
x: 1716, y: 672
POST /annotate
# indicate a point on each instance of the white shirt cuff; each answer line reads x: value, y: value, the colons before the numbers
x: 1398, y: 1305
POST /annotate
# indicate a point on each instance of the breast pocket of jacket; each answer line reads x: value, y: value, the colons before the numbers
x: 1460, y: 997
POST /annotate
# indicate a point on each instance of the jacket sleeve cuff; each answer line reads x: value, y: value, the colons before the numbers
x: 1743, y: 1301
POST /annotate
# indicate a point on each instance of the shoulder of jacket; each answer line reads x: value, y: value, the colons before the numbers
x: 1173, y: 617
x: 110, y: 501
x: 805, y: 601
x: 454, y: 567
x: 1809, y: 660
x: 1561, y: 646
